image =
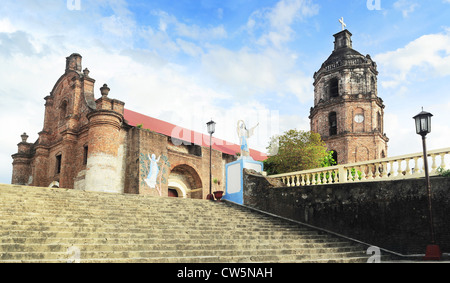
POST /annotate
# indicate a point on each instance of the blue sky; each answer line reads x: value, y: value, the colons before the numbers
x: 187, y: 61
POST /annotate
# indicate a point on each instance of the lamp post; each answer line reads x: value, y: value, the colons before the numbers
x: 423, y: 127
x: 211, y: 129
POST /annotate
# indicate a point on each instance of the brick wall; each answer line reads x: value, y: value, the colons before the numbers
x: 185, y: 163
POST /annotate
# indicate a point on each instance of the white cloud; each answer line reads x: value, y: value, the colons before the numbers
x: 118, y: 26
x: 170, y: 24
x: 421, y: 65
x: 427, y: 56
x: 400, y: 128
x: 6, y: 26
x: 249, y: 73
x: 406, y: 6
x: 189, y: 48
x: 276, y: 22
x: 22, y: 100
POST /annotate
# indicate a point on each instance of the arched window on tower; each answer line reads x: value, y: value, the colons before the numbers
x: 379, y: 123
x: 63, y: 110
x: 58, y: 163
x: 373, y: 86
x: 332, y: 118
x: 85, y: 154
x: 334, y: 87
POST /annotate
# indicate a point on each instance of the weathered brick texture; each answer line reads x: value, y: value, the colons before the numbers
x: 347, y: 112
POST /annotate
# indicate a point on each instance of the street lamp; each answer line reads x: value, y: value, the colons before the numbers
x: 211, y: 129
x: 423, y: 127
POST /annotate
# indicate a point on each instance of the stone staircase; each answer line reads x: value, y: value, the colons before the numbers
x: 57, y: 225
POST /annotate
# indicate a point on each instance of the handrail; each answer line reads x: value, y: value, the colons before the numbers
x: 407, y: 166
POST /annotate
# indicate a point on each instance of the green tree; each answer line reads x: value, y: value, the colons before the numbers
x: 297, y: 151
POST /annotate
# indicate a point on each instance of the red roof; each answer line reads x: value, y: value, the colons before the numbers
x: 171, y: 130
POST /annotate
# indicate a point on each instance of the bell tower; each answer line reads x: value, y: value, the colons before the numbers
x: 347, y: 111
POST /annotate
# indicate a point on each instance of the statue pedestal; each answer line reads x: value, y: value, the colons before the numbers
x: 234, y: 187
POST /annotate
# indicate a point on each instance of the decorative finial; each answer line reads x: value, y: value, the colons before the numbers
x: 105, y: 90
x: 24, y: 137
x: 86, y: 72
x: 341, y: 20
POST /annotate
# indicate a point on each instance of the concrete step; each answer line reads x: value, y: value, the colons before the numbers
x: 192, y: 248
x: 163, y: 236
x: 33, y: 244
x: 285, y: 254
x: 200, y: 259
x: 45, y: 225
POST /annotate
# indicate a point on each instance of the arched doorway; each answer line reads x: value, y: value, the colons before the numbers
x: 172, y: 193
x: 54, y: 184
x: 185, y: 182
x: 177, y: 188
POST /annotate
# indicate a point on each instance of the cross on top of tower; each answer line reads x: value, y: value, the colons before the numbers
x: 341, y: 20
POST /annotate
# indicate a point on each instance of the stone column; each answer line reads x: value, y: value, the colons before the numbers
x: 105, y: 157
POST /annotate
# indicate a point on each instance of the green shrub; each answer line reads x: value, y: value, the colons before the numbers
x: 442, y: 172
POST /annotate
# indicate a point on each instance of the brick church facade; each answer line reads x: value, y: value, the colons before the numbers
x: 98, y: 144
x: 347, y: 111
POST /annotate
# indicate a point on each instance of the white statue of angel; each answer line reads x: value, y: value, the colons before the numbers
x: 153, y: 172
x: 244, y: 134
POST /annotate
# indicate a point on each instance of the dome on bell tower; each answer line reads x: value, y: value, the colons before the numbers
x: 355, y: 73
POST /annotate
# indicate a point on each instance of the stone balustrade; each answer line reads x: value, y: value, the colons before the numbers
x: 408, y: 166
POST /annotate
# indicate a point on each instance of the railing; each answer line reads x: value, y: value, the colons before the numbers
x: 408, y: 166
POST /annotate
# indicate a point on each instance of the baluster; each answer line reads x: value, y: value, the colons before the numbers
x: 384, y: 174
x: 355, y: 176
x: 283, y: 179
x: 408, y: 168
x: 442, y: 155
x: 378, y: 171
x: 330, y: 177
x: 399, y: 169
x: 391, y: 171
x: 303, y: 180
x: 377, y: 174
x: 416, y: 166
x: 370, y: 171
x: 363, y: 174
x: 307, y: 180
x: 433, y: 164
x: 298, y: 180
x: 288, y: 180
x: 319, y: 179
x: 350, y: 177
x: 381, y: 170
x: 313, y: 177
x: 325, y: 178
